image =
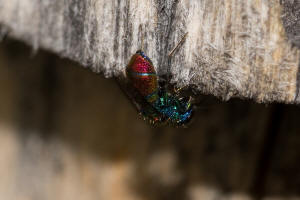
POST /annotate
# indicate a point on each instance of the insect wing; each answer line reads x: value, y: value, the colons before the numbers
x: 139, y: 102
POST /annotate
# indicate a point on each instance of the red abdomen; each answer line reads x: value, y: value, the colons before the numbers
x: 141, y: 73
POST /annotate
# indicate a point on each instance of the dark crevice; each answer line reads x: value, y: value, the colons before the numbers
x: 291, y: 23
x: 166, y: 14
x: 49, y: 90
x: 117, y: 29
x: 128, y: 33
x: 298, y: 84
x: 74, y: 19
x: 267, y: 151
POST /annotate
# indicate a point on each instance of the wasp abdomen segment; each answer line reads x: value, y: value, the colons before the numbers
x: 143, y: 76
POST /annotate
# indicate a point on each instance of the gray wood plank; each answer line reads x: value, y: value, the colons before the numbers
x: 235, y: 48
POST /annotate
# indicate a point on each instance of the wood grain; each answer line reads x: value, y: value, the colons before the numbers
x: 235, y: 48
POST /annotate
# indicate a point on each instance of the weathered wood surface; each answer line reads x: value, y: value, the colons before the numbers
x: 235, y: 48
x: 67, y: 133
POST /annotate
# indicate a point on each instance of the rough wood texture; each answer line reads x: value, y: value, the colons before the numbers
x: 235, y: 48
x: 69, y: 134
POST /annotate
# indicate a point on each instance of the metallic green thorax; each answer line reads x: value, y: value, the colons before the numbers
x: 169, y: 108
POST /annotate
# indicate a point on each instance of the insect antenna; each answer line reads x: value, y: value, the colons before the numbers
x: 179, y: 43
x: 142, y: 42
x: 165, y: 79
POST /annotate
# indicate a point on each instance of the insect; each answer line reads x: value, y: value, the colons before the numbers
x: 158, y: 104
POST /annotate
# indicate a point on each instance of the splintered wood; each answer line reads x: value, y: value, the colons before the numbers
x: 235, y: 48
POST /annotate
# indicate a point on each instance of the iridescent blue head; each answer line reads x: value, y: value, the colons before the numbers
x: 176, y: 110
